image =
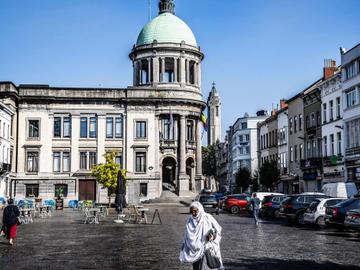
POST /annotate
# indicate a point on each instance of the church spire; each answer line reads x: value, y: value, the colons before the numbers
x: 166, y: 6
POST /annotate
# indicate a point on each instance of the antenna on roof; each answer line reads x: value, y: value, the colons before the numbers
x: 149, y: 9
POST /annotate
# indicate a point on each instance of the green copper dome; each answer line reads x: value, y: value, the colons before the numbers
x: 166, y: 28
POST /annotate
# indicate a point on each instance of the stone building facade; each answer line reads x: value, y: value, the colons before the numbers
x: 350, y: 62
x: 154, y: 125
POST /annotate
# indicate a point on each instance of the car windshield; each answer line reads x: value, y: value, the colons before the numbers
x: 207, y: 199
x: 286, y: 200
x: 267, y: 199
x: 345, y: 203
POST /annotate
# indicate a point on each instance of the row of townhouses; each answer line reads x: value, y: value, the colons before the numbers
x: 314, y: 136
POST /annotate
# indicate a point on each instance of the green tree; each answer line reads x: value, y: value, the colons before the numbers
x: 255, y: 181
x: 107, y: 173
x: 269, y: 174
x: 242, y: 179
x: 209, y: 160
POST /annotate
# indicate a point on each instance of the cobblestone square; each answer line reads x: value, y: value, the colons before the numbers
x: 63, y: 242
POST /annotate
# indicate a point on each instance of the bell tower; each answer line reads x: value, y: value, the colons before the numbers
x: 214, y: 116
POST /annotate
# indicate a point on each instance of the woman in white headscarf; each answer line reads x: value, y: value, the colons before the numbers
x: 201, y: 231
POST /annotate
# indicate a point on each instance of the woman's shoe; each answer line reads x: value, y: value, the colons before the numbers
x: 11, y: 242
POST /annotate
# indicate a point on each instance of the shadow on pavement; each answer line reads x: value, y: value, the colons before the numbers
x: 278, y: 264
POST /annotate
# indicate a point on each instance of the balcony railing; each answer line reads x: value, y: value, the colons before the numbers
x: 332, y: 160
x: 168, y: 143
x: 352, y: 151
x: 311, y: 163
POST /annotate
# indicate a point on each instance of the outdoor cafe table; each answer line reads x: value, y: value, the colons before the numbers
x: 45, y: 211
x: 26, y: 214
x: 95, y: 212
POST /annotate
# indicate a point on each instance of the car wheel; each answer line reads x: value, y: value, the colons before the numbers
x: 320, y: 222
x: 234, y: 209
x: 300, y: 219
x: 276, y: 214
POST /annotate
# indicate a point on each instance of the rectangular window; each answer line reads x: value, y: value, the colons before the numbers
x: 67, y: 127
x: 190, y: 130
x: 313, y: 148
x: 325, y: 146
x: 332, y: 145
x: 291, y: 154
x: 83, y: 160
x: 56, y: 161
x: 118, y: 127
x: 66, y: 162
x: 140, y: 162
x: 338, y: 108
x: 32, y: 190
x: 92, y: 159
x: 34, y: 128
x: 295, y: 153
x: 32, y: 161
x: 324, y: 113
x: 243, y: 125
x: 350, y: 71
x: 313, y: 120
x: 57, y: 127
x: 331, y: 116
x: 300, y: 121
x: 143, y: 189
x: 241, y: 138
x: 61, y: 190
x: 290, y: 125
x: 353, y: 133
x: 118, y: 160
x: 241, y: 150
x: 247, y: 137
x: 247, y: 149
x: 295, y: 124
x: 109, y: 127
x: 308, y: 149
x: 339, y: 148
x: 140, y: 129
x: 351, y: 98
x: 83, y: 127
x: 300, y: 151
x: 93, y: 127
x: 307, y: 121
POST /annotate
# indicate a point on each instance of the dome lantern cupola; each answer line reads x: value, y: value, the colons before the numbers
x: 166, y: 6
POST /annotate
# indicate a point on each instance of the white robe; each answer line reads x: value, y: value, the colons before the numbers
x: 195, y: 237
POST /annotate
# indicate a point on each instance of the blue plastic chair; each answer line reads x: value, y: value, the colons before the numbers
x: 2, y: 200
x: 21, y: 203
x: 73, y: 204
x: 49, y: 202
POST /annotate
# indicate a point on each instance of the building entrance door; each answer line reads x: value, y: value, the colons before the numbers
x: 87, y: 190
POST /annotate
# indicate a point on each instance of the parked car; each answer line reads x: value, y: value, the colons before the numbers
x: 261, y: 195
x: 315, y: 213
x: 352, y: 219
x: 340, y: 190
x: 335, y: 215
x: 271, y: 205
x: 236, y: 203
x: 210, y: 203
x: 293, y: 207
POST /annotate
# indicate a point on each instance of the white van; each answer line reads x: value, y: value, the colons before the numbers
x: 340, y: 190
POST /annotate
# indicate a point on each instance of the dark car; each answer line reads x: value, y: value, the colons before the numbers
x: 236, y: 202
x: 271, y: 205
x: 293, y: 207
x: 352, y: 219
x: 210, y: 203
x: 335, y: 215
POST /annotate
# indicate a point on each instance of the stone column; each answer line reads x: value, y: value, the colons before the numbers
x: 183, y: 186
x: 101, y: 130
x: 155, y: 70
x: 175, y: 70
x: 196, y: 74
x: 140, y: 73
x: 182, y: 70
x: 162, y: 69
x: 134, y: 73
x: 199, y: 185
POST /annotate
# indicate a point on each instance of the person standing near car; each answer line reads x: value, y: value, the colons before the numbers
x: 10, y: 220
x: 255, y: 203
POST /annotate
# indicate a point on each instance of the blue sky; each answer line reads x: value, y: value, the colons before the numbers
x: 256, y: 51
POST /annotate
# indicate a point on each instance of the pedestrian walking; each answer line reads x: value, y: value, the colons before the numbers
x: 10, y: 220
x: 201, y: 245
x: 255, y: 202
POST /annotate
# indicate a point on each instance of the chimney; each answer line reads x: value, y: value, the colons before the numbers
x: 329, y: 68
x: 283, y: 104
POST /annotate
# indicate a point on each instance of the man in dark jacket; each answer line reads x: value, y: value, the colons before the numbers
x: 255, y: 202
x: 10, y: 220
